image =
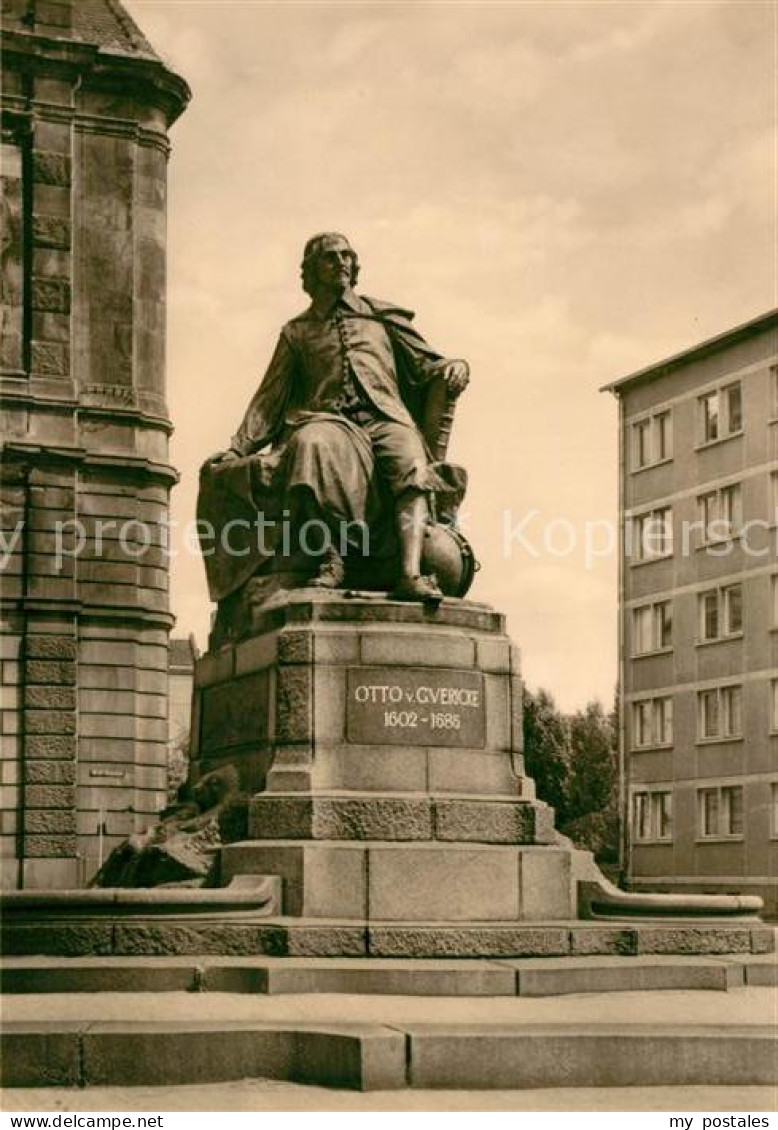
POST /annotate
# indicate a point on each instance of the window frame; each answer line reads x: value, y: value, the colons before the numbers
x: 663, y: 515
x: 653, y: 615
x: 716, y: 426
x: 722, y: 595
x: 651, y: 440
x: 652, y: 717
x: 728, y: 705
x: 727, y: 812
x: 724, y: 506
x: 652, y: 816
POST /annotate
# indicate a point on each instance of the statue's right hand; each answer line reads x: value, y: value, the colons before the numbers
x: 222, y: 457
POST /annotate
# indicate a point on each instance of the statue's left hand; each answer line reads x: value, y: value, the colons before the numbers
x: 456, y: 374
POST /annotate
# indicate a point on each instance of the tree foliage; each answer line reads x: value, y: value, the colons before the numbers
x: 547, y: 749
x: 593, y: 762
x: 574, y: 762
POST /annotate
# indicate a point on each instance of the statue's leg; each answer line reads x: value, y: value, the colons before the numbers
x: 327, y: 472
x: 402, y: 461
x: 412, y: 516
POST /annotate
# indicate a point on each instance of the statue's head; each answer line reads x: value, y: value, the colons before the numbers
x: 317, y: 251
x: 213, y: 787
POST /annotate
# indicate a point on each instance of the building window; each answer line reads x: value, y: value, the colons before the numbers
x: 652, y: 628
x: 774, y: 706
x: 774, y: 585
x: 720, y: 713
x: 734, y: 407
x: 652, y: 440
x: 721, y: 613
x: 774, y: 497
x: 774, y: 810
x: 663, y: 435
x: 641, y: 443
x: 720, y: 812
x: 721, y: 413
x: 709, y: 417
x: 652, y: 534
x: 774, y: 391
x: 652, y: 816
x: 721, y: 513
x: 652, y: 720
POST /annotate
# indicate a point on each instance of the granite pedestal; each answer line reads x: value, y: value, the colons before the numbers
x: 383, y: 744
x: 390, y: 814
x: 389, y: 740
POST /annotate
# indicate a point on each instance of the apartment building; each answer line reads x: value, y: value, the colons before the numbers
x: 698, y: 616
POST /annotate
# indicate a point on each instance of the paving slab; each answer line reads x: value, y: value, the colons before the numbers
x: 664, y: 1007
x: 272, y: 1095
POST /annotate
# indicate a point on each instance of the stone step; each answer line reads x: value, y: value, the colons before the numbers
x: 527, y: 977
x: 299, y: 937
x: 362, y: 816
x: 377, y: 1057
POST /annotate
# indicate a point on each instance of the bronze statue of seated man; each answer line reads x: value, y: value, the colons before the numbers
x: 335, y: 474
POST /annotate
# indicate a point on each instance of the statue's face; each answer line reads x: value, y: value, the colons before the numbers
x: 334, y: 263
x: 208, y: 791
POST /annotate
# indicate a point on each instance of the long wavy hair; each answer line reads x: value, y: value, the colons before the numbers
x: 311, y: 254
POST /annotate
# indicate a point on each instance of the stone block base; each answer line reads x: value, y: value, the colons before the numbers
x: 251, y: 936
x: 416, y: 881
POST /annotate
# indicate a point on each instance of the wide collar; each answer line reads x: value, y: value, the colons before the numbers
x: 349, y: 300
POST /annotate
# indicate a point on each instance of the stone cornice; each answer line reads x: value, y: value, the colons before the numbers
x: 34, y: 53
x: 120, y: 127
x: 87, y: 611
x: 18, y: 452
x: 19, y: 395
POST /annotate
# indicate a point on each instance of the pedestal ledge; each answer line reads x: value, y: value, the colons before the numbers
x: 408, y: 816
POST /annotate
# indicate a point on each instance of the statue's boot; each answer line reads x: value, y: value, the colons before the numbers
x: 331, y: 571
x: 420, y: 587
x: 412, y: 520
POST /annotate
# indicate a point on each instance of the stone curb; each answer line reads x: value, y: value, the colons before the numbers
x: 374, y: 1057
x: 531, y: 977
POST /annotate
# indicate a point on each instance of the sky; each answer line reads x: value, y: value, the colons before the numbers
x: 563, y: 192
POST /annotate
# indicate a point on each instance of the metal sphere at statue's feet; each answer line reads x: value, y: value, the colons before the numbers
x: 447, y: 553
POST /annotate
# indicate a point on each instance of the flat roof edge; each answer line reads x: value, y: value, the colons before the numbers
x: 710, y: 345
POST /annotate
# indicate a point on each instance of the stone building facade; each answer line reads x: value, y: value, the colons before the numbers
x: 699, y: 615
x: 86, y: 106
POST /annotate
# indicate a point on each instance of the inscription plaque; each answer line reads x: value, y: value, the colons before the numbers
x: 415, y: 706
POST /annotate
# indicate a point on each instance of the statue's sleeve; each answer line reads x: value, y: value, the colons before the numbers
x: 420, y: 363
x: 265, y: 414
